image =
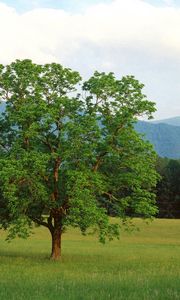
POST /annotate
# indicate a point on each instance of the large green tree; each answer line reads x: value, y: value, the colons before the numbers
x: 69, y: 151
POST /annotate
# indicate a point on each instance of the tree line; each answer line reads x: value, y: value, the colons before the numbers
x: 168, y: 188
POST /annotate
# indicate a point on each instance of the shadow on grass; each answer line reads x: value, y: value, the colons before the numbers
x: 24, y: 255
x: 67, y: 258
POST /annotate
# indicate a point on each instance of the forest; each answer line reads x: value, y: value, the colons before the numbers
x: 168, y: 188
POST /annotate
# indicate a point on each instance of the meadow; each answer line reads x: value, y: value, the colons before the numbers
x: 143, y: 265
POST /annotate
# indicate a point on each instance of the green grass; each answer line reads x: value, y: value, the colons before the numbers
x: 142, y: 265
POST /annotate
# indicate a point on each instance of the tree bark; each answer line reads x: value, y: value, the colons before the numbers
x: 56, y: 230
x: 56, y: 244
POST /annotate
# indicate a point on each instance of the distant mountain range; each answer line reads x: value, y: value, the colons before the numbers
x: 2, y: 107
x: 171, y: 121
x: 163, y: 134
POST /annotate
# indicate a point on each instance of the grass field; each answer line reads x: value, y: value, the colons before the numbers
x: 142, y: 265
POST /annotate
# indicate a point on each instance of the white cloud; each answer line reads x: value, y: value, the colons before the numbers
x: 125, y: 36
x: 168, y: 2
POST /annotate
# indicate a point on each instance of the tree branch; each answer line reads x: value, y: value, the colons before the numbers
x: 98, y: 161
x: 39, y: 222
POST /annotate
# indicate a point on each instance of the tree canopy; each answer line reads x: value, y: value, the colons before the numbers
x: 168, y: 188
x: 69, y: 151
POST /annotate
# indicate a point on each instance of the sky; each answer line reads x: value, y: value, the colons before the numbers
x: 127, y: 37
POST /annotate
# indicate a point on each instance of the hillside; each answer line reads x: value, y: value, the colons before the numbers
x: 164, y: 137
x: 170, y: 121
x: 2, y: 107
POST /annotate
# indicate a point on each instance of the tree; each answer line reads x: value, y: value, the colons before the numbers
x: 69, y: 157
x: 168, y: 188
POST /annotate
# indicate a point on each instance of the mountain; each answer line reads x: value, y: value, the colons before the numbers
x: 164, y: 137
x: 2, y: 106
x: 171, y: 121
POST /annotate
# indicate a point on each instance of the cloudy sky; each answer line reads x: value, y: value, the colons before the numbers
x: 138, y: 37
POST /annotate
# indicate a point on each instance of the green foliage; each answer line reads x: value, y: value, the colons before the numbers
x: 69, y: 158
x: 168, y: 188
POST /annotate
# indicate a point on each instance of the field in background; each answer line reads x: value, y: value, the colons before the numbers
x: 143, y: 265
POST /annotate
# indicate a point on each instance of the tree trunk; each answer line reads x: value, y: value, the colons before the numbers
x: 56, y: 244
